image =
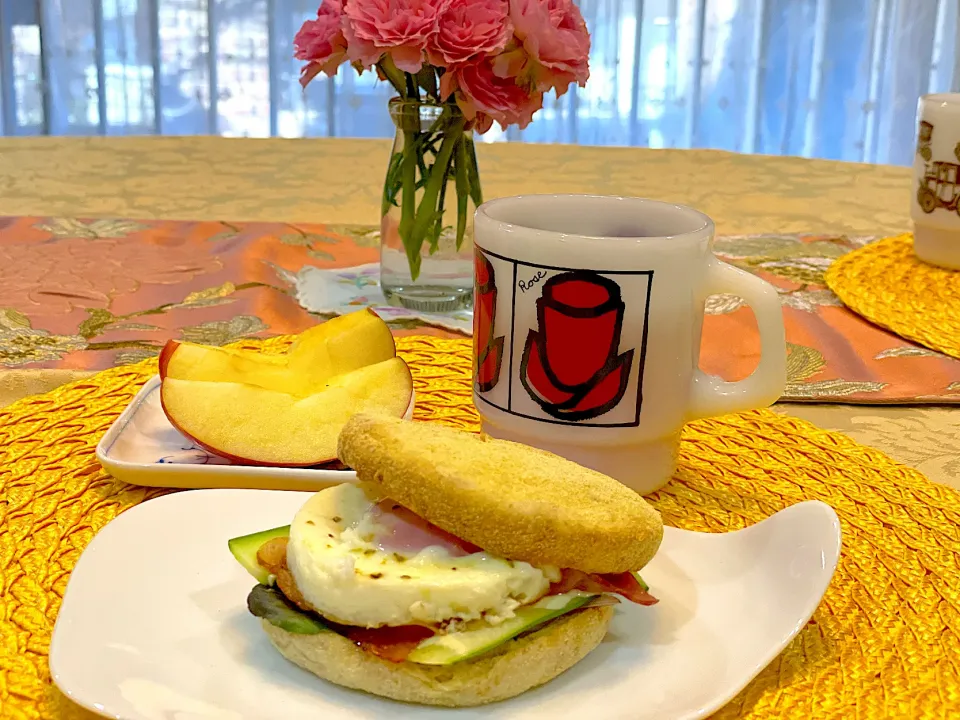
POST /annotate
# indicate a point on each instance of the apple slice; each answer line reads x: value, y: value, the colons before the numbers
x: 185, y: 358
x: 342, y: 344
x: 252, y: 425
x: 338, y: 346
x: 187, y: 361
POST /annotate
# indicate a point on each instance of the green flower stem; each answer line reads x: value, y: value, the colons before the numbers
x: 390, y: 186
x: 462, y: 189
x: 393, y: 74
x: 412, y: 91
x: 473, y: 174
x: 427, y: 79
x: 426, y: 212
x: 438, y: 225
x: 408, y: 202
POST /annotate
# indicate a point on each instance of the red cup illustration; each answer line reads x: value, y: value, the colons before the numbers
x: 570, y: 364
x: 487, y: 350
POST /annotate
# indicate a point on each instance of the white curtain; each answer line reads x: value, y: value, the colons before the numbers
x: 820, y: 78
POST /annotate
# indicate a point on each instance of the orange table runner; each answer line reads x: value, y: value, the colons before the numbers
x: 92, y: 294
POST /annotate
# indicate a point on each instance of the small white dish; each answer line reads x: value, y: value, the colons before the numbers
x: 143, y: 448
x: 154, y: 622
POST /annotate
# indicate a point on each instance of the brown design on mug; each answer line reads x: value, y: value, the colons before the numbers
x: 940, y: 185
x: 570, y: 366
x: 924, y: 137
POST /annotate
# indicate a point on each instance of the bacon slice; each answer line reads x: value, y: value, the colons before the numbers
x: 622, y: 584
x: 390, y: 643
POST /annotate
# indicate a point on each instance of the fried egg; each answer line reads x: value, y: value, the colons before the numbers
x: 367, y: 563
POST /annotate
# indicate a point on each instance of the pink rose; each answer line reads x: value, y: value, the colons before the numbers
x: 398, y: 27
x: 555, y: 37
x: 484, y: 96
x: 468, y: 28
x: 321, y: 43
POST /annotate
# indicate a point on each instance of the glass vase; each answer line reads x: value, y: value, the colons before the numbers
x: 430, y: 192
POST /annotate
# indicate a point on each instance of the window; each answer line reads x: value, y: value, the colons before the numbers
x: 821, y: 78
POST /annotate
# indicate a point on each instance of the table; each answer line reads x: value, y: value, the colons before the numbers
x: 339, y: 180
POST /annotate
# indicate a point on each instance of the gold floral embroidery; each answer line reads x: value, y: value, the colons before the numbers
x: 778, y: 247
x: 802, y: 270
x: 211, y: 296
x: 723, y: 304
x: 803, y: 362
x: 806, y: 362
x: 231, y: 233
x: 133, y: 326
x: 221, y: 332
x: 310, y: 241
x: 21, y: 344
x: 902, y: 352
x: 320, y: 255
x: 99, y: 319
x: 784, y: 256
x: 831, y: 388
x: 135, y: 355
x: 365, y: 236
x: 808, y: 300
x: 93, y: 230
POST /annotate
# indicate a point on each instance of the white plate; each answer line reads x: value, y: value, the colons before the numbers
x: 154, y: 623
x: 143, y: 448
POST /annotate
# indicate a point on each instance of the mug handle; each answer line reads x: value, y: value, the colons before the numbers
x: 711, y: 395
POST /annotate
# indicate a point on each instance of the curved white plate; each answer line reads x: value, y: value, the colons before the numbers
x: 154, y: 623
x: 143, y: 448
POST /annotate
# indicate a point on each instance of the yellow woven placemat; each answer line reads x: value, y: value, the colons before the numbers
x: 885, y: 642
x: 886, y: 283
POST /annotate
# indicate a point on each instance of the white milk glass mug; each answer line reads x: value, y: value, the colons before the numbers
x: 935, y: 207
x: 587, y: 320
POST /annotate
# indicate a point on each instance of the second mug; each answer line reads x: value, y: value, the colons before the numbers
x: 587, y: 320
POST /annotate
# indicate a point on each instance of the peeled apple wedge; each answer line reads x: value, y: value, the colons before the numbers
x: 338, y: 346
x: 342, y: 344
x: 252, y: 425
x: 186, y: 361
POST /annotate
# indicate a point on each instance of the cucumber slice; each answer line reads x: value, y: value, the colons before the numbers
x: 459, y: 646
x: 270, y: 604
x: 640, y: 581
x: 244, y: 549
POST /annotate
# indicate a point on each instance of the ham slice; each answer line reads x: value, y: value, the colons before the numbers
x: 625, y: 585
x: 407, y: 532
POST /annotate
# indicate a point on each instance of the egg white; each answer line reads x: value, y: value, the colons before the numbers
x: 340, y: 570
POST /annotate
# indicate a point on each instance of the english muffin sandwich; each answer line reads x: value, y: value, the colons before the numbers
x: 461, y: 570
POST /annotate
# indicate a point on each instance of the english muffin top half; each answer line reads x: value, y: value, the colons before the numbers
x: 509, y: 499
